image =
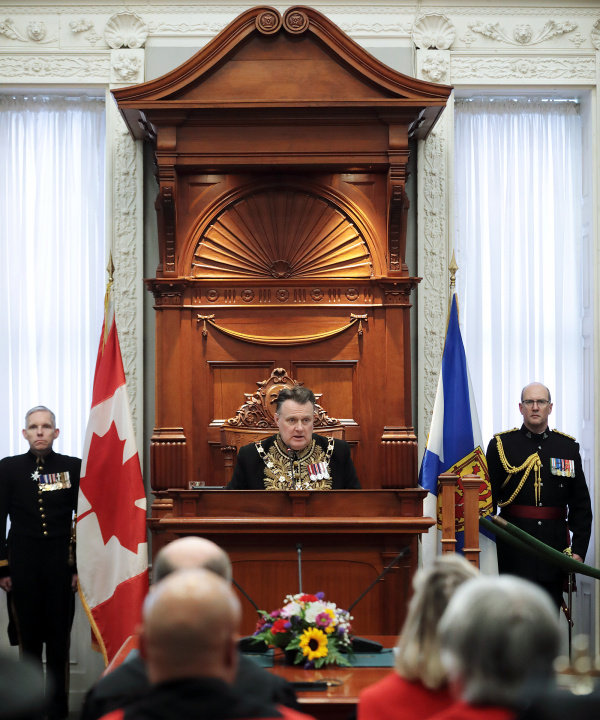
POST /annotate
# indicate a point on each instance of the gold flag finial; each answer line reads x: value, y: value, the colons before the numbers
x: 110, y: 268
x: 453, y: 267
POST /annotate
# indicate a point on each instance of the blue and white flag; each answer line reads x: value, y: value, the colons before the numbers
x: 455, y: 445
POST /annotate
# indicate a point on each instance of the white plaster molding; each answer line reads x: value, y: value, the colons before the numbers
x: 511, y: 67
x: 125, y: 238
x: 433, y: 30
x: 48, y: 67
x: 523, y: 34
x: 125, y: 30
x: 595, y: 35
x: 517, y: 11
x: 433, y: 209
x: 127, y: 66
x: 434, y: 66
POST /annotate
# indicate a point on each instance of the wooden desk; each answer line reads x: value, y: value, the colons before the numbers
x: 335, y: 703
x: 347, y: 538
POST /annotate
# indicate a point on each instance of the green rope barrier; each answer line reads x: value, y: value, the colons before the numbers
x: 526, y: 542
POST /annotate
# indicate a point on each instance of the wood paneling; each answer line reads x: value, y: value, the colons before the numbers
x: 281, y: 153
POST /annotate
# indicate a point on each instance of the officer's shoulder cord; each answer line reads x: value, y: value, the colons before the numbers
x: 533, y: 461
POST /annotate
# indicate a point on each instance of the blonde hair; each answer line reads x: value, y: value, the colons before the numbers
x: 418, y: 649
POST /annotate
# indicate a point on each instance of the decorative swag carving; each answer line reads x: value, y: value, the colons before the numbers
x: 282, y: 340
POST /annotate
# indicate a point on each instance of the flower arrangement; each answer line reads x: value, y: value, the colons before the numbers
x: 318, y: 631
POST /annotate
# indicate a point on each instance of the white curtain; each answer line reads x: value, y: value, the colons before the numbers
x: 518, y: 246
x: 52, y: 252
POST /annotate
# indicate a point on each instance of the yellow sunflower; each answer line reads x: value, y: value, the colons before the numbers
x: 313, y: 643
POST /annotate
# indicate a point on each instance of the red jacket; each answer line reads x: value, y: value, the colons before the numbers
x: 395, y: 698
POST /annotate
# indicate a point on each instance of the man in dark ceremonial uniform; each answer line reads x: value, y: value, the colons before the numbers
x: 295, y: 458
x: 38, y: 492
x: 538, y: 483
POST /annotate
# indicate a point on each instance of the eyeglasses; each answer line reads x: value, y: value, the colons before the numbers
x: 540, y: 403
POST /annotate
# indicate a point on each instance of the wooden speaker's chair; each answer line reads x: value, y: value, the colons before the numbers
x: 255, y: 419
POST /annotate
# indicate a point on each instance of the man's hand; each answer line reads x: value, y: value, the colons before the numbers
x: 6, y: 584
x: 577, y: 557
x: 74, y: 582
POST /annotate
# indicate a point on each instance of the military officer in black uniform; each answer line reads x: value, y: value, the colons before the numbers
x: 295, y: 458
x: 38, y: 492
x: 538, y: 483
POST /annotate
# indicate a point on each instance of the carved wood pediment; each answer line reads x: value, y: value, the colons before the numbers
x: 272, y: 60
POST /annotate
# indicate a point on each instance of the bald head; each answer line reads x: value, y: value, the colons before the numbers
x: 537, y: 389
x: 190, y: 626
x: 191, y: 552
x: 535, y: 407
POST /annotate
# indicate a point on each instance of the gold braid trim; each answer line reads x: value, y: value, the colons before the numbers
x: 533, y: 461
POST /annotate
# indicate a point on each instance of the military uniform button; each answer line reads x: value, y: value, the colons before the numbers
x: 45, y: 532
x: 539, y: 522
x: 40, y: 501
x: 43, y: 515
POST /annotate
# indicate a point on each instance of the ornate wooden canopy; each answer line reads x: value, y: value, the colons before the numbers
x: 281, y: 151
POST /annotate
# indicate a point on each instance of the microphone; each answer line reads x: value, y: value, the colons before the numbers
x: 247, y: 644
x: 299, y: 549
x: 360, y: 644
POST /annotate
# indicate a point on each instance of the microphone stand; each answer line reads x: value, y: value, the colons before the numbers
x: 299, y: 549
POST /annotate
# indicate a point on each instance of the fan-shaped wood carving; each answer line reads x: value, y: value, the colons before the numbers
x: 281, y: 234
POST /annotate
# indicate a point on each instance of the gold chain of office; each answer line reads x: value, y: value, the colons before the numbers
x: 532, y: 462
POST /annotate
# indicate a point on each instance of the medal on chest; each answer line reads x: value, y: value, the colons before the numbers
x: 562, y: 468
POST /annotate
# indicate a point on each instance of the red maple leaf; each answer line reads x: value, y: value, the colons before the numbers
x: 112, y: 487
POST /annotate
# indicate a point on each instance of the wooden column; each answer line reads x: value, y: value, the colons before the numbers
x: 471, y: 485
x: 447, y: 487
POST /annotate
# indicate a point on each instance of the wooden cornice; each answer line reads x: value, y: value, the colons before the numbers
x: 204, y: 82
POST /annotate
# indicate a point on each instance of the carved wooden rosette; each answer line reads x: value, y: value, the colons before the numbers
x: 281, y: 151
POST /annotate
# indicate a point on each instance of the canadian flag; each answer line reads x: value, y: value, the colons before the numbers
x: 112, y: 549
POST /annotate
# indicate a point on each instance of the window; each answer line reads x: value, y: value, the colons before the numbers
x: 519, y: 250
x: 52, y: 245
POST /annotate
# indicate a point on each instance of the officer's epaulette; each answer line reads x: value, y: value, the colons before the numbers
x: 564, y: 434
x: 504, y: 432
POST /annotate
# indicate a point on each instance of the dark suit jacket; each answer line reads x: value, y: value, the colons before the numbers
x: 129, y: 683
x: 249, y: 471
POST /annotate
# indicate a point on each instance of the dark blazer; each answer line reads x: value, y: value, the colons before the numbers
x: 249, y: 471
x: 128, y: 684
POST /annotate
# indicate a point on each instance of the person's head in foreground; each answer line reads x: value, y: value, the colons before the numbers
x: 191, y: 552
x: 499, y: 638
x: 190, y: 627
x: 418, y: 656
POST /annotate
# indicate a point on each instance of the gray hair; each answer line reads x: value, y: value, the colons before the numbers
x: 40, y: 408
x: 418, y: 656
x: 499, y: 635
x: 298, y: 394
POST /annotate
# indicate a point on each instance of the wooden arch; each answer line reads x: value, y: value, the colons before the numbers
x: 281, y: 153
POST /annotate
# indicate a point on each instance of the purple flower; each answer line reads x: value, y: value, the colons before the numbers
x: 288, y: 625
x: 309, y: 665
x: 323, y: 620
x: 320, y: 595
x: 275, y: 613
